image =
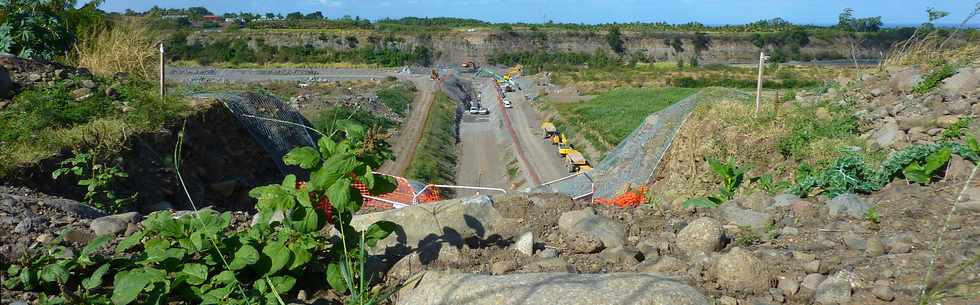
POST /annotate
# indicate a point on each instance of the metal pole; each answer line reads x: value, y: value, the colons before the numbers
x: 163, y: 90
x: 758, y: 89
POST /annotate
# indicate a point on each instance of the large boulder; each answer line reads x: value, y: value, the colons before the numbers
x: 740, y: 271
x: 703, y: 235
x: 888, y: 134
x: 904, y: 81
x: 549, y: 288
x: 113, y: 224
x: 452, y: 221
x: 965, y: 80
x: 758, y: 221
x: 587, y: 223
x: 836, y: 289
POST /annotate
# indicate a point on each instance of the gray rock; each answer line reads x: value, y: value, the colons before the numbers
x: 666, y: 264
x: 811, y: 266
x: 703, y: 235
x: 452, y: 221
x: 904, y: 81
x: 586, y: 222
x: 432, y: 257
x: 549, y: 265
x: 81, y: 94
x: 79, y: 237
x: 785, y: 200
x: 583, y: 244
x: 888, y: 134
x: 789, y: 285
x: 836, y: 289
x: 25, y: 225
x: 874, y: 247
x: 113, y: 224
x: 621, y: 256
x: 6, y: 85
x: 740, y: 270
x: 961, y: 106
x: 758, y: 201
x: 789, y: 231
x: 883, y: 292
x: 965, y: 80
x: 854, y: 241
x: 900, y: 248
x: 848, y: 205
x: 502, y: 267
x: 549, y: 253
x: 88, y: 83
x: 970, y: 201
x: 812, y: 281
x: 876, y: 92
x: 727, y: 300
x: 549, y: 288
x: 758, y: 221
x: 525, y: 244
x: 777, y: 295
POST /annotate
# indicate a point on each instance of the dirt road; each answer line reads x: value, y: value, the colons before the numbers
x: 540, y: 153
x: 411, y: 131
x: 218, y: 75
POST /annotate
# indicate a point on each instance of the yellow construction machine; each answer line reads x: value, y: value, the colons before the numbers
x: 576, y: 162
x: 549, y: 130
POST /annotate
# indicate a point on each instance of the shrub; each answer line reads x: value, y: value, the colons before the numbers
x: 934, y: 78
x: 127, y: 46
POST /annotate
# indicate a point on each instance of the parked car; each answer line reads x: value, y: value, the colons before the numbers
x: 507, y: 104
x: 474, y: 110
x: 484, y: 111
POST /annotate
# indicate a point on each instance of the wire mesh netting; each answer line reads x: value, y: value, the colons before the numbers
x: 275, y: 126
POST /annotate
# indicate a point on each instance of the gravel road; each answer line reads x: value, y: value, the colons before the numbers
x: 218, y: 75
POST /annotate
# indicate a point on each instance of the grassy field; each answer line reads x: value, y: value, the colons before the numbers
x: 435, y: 157
x: 606, y: 120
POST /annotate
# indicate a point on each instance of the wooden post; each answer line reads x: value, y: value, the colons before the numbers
x: 163, y: 90
x: 758, y: 89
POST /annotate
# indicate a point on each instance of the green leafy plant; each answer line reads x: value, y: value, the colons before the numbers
x: 50, y: 271
x: 746, y: 237
x: 97, y: 178
x: 872, y: 216
x: 922, y: 173
x: 732, y: 177
x: 958, y: 129
x: 769, y: 184
x: 934, y: 78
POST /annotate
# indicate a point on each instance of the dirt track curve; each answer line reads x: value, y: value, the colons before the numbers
x: 411, y: 132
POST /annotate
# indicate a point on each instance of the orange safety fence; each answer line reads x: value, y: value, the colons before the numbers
x: 403, y: 194
x: 630, y: 199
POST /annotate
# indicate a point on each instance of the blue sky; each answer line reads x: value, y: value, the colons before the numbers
x: 589, y: 11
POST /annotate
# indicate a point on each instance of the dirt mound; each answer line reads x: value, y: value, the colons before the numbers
x: 24, y: 73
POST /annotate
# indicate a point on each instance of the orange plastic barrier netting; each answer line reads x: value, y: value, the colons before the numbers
x: 403, y: 194
x: 630, y: 199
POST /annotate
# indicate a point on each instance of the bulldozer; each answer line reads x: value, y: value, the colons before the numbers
x: 576, y: 162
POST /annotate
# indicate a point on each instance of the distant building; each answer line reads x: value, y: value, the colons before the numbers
x: 212, y: 18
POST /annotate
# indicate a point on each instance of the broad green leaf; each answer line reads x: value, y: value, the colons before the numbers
x: 337, y: 166
x: 128, y: 285
x: 289, y: 182
x: 307, y: 220
x: 278, y: 255
x: 95, y: 244
x: 245, y: 256
x: 272, y: 197
x: 343, y: 196
x: 225, y: 277
x: 937, y: 159
x: 335, y: 277
x: 283, y: 284
x: 367, y: 177
x: 384, y: 184
x: 301, y: 256
x: 916, y: 173
x: 129, y: 242
x: 378, y: 231
x: 95, y: 280
x: 327, y: 147
x: 305, y: 157
x: 196, y: 273
x: 355, y: 131
x: 717, y: 167
x: 55, y: 273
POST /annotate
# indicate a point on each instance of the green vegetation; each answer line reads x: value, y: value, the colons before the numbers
x: 615, y: 40
x: 609, y: 118
x: 196, y: 258
x: 958, y: 129
x: 435, y: 156
x: 934, y: 78
x: 397, y: 97
x: 381, y: 52
x: 536, y: 61
x: 811, y: 126
x: 97, y: 177
x: 326, y: 119
x: 45, y: 29
x: 732, y: 177
x: 46, y: 120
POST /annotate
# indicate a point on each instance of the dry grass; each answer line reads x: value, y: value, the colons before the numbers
x: 128, y: 46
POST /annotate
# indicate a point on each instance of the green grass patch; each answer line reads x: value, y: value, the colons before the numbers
x: 43, y: 121
x: 435, y: 157
x: 934, y: 78
x: 326, y: 119
x: 397, y: 97
x: 609, y: 118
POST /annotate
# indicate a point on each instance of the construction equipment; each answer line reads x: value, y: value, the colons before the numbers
x: 514, y: 72
x: 469, y: 66
x: 575, y: 162
x: 435, y: 75
x: 549, y: 130
x: 563, y: 147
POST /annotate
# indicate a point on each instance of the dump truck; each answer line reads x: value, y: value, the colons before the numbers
x: 549, y: 130
x: 575, y: 162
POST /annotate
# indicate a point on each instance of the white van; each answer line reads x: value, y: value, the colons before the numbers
x: 507, y: 103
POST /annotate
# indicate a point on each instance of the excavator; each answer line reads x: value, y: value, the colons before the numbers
x: 563, y: 147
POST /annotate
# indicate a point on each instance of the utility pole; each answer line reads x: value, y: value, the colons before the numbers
x: 163, y: 90
x: 758, y: 88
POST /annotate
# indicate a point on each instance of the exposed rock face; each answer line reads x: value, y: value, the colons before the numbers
x: 835, y: 289
x: 965, y: 80
x: 549, y: 289
x: 452, y: 221
x: 6, y: 85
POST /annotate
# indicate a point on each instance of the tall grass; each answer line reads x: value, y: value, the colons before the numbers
x: 435, y: 157
x: 127, y: 46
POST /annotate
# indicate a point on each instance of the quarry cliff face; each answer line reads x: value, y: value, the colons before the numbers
x: 479, y: 45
